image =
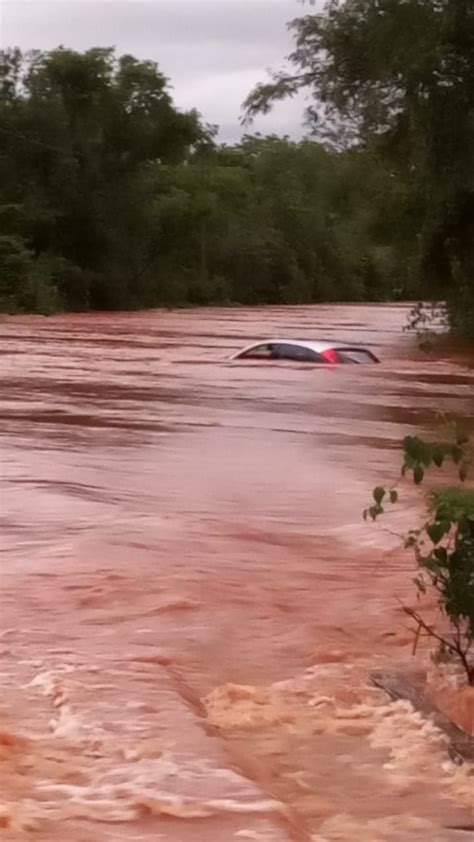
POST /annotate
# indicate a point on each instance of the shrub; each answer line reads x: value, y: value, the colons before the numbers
x: 443, y: 546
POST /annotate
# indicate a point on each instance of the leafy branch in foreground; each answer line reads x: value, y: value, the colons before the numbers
x: 443, y: 546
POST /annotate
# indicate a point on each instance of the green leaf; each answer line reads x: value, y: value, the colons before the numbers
x: 441, y: 555
x: 462, y: 437
x: 417, y: 451
x: 438, y: 457
x: 411, y: 540
x: 426, y: 454
x: 463, y: 472
x: 437, y: 531
x: 410, y: 446
x: 378, y: 494
x: 394, y: 496
x: 418, y: 474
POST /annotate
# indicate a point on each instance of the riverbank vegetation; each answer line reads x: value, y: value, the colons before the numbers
x: 443, y: 545
x: 397, y: 79
x: 111, y: 198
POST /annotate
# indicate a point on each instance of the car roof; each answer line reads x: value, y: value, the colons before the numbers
x: 319, y: 347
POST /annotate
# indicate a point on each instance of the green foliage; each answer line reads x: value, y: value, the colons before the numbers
x: 452, y: 504
x: 380, y: 494
x: 110, y: 198
x: 398, y: 78
x: 420, y: 454
x: 444, y: 545
x: 268, y: 221
x: 26, y: 284
x: 77, y: 133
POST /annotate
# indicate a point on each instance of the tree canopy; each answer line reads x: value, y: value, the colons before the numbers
x: 113, y: 198
x: 399, y: 77
x: 110, y: 197
x: 76, y: 131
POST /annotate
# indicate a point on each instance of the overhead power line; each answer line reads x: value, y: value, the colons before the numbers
x: 32, y: 140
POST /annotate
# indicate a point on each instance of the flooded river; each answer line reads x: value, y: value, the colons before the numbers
x: 191, y: 602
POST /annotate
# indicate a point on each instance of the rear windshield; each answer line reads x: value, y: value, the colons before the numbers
x: 287, y: 351
x: 356, y: 355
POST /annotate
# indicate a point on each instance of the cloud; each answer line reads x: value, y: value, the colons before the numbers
x: 213, y: 51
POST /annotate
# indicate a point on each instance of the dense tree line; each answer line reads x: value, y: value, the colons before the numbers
x: 78, y: 134
x: 397, y: 76
x: 111, y: 198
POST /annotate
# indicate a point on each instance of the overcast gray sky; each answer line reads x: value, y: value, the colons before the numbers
x: 213, y: 51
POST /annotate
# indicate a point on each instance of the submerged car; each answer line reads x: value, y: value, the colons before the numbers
x: 305, y: 351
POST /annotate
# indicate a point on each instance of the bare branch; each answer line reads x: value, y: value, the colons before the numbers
x: 456, y: 648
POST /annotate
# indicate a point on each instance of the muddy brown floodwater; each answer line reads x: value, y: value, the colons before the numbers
x: 191, y: 603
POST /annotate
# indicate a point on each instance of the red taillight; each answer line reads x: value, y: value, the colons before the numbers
x: 330, y: 356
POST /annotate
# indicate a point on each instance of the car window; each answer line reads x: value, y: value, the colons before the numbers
x: 356, y: 355
x: 258, y: 352
x: 286, y: 351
